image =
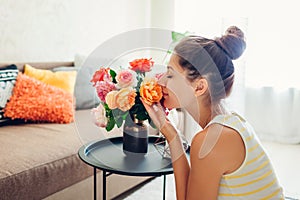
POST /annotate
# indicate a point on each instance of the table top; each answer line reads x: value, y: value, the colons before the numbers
x: 108, y: 155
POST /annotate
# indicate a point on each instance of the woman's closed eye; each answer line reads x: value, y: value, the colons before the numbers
x: 169, y: 74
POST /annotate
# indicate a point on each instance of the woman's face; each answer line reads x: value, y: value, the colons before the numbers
x: 177, y: 90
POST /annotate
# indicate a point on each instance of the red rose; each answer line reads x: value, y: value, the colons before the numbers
x: 100, y: 75
x: 141, y: 65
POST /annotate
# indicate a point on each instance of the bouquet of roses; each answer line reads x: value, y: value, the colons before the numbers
x: 120, y: 93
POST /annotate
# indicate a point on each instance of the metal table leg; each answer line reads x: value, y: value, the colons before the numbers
x: 164, y: 188
x: 104, y: 184
x: 104, y: 175
x: 95, y: 183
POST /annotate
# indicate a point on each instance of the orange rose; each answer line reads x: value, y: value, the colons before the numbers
x: 141, y: 65
x: 125, y: 98
x: 150, y: 91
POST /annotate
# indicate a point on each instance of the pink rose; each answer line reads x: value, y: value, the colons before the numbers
x: 126, y: 78
x: 99, y: 116
x: 125, y: 98
x: 104, y: 87
x: 111, y: 99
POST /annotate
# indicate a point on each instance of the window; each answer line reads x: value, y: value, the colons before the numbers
x: 271, y: 29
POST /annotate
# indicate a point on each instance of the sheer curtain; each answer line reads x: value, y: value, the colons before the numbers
x: 267, y: 87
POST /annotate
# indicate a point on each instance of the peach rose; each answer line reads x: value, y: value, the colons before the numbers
x: 125, y: 98
x: 110, y: 99
x: 150, y: 91
x: 99, y: 116
x: 126, y: 78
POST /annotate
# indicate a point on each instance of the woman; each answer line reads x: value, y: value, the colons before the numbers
x: 226, y: 159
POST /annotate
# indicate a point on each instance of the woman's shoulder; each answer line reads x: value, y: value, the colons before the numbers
x: 215, y: 132
x: 221, y: 145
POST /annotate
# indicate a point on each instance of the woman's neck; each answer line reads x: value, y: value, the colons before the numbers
x: 203, y: 114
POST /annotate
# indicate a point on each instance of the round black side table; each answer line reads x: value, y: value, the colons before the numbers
x: 108, y: 156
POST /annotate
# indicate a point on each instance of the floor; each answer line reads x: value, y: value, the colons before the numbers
x: 285, y: 158
x: 152, y: 189
x: 286, y: 161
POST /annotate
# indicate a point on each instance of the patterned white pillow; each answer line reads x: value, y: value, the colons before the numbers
x: 8, y: 76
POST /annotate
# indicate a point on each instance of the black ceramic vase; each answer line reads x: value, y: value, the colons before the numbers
x: 135, y: 138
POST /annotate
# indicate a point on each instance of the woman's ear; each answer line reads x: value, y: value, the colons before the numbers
x: 201, y: 86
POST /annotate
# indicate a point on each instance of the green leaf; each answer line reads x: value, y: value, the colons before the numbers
x: 107, y: 109
x: 119, y: 122
x: 110, y: 124
x: 113, y: 75
x: 125, y: 115
x: 128, y: 119
x: 117, y: 113
x: 176, y: 36
x: 142, y: 116
x: 152, y: 124
x: 106, y: 106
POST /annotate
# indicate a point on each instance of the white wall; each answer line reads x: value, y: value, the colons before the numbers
x: 162, y: 14
x: 56, y: 30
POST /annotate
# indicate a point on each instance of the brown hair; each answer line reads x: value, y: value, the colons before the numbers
x: 212, y: 59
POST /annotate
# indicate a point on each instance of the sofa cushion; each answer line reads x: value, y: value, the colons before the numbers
x: 61, y: 79
x: 34, y: 100
x: 82, y: 86
x: 8, y: 76
x: 39, y: 159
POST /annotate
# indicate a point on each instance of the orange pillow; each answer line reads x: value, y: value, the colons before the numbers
x: 34, y: 100
x: 61, y: 79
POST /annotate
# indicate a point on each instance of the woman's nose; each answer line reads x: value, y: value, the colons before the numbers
x: 162, y: 80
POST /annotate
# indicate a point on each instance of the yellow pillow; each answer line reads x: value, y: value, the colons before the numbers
x: 61, y: 79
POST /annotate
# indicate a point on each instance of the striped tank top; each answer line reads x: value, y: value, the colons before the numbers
x: 255, y: 179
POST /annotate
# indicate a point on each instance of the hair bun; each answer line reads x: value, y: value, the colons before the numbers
x: 233, y: 30
x: 233, y: 42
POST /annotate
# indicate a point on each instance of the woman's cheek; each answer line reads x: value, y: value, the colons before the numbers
x: 171, y: 101
x: 180, y: 96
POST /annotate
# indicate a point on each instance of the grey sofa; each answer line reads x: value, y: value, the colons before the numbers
x: 40, y: 161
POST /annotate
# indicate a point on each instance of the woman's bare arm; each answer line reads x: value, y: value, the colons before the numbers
x: 180, y: 162
x: 201, y: 178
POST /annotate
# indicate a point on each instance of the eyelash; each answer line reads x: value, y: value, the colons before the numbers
x: 169, y: 76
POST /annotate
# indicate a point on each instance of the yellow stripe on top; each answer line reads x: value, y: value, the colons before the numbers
x: 242, y: 130
x: 255, y: 159
x: 253, y: 148
x: 248, y: 173
x: 272, y: 195
x: 252, y: 192
x: 249, y: 138
x: 226, y: 118
x: 248, y: 183
x: 235, y: 123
